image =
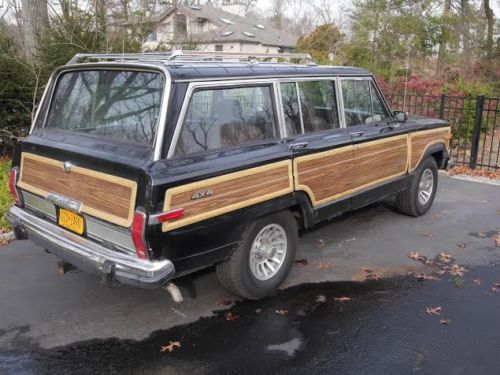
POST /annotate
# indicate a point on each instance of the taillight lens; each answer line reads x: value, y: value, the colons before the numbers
x: 170, y: 215
x: 138, y: 228
x: 12, y: 186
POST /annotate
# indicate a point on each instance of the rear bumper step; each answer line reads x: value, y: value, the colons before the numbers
x: 88, y: 255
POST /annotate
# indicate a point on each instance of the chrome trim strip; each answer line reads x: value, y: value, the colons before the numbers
x: 299, y: 101
x: 272, y: 77
x: 89, y: 255
x: 280, y: 110
x: 40, y: 103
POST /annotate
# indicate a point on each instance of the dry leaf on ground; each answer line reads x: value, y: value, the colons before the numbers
x: 320, y: 298
x: 481, y: 235
x: 416, y: 256
x: 324, y: 266
x: 373, y: 277
x: 428, y: 234
x: 366, y: 269
x: 423, y: 276
x: 433, y: 310
x: 281, y: 312
x: 301, y: 261
x: 258, y: 311
x: 225, y: 302
x: 457, y: 270
x: 445, y: 321
x: 321, y: 243
x: 342, y: 299
x: 495, y: 287
x: 497, y: 240
x: 446, y: 258
x: 170, y: 347
x: 478, y: 281
x: 462, y: 245
x: 229, y: 316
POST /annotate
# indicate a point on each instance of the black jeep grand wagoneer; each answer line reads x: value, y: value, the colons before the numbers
x: 149, y: 166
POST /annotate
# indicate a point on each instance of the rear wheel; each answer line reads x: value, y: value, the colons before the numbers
x: 418, y: 198
x: 263, y: 259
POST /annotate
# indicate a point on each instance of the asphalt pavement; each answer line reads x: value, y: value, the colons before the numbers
x: 352, y: 304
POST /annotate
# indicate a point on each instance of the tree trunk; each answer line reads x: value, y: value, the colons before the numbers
x: 35, y: 22
x: 465, y: 15
x: 489, y: 34
x: 445, y: 35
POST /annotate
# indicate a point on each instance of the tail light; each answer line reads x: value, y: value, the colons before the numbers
x: 12, y: 186
x: 138, y: 232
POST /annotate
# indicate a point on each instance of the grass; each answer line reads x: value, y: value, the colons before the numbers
x: 5, y: 197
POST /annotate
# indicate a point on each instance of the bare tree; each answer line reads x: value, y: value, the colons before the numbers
x: 490, y: 20
x: 35, y: 17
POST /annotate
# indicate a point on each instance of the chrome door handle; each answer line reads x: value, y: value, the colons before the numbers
x: 356, y: 134
x: 297, y: 146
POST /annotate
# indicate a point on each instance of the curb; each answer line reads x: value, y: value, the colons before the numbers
x: 480, y: 180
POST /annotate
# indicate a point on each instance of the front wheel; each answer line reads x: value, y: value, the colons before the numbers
x: 263, y: 259
x: 418, y: 198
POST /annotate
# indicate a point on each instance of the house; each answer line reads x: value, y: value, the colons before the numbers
x: 227, y: 29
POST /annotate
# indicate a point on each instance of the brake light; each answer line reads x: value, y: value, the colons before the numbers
x: 12, y: 186
x: 138, y: 228
x: 170, y: 215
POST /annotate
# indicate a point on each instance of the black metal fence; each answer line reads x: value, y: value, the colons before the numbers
x: 475, y: 123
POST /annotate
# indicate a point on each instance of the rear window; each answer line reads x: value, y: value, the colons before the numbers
x: 121, y: 105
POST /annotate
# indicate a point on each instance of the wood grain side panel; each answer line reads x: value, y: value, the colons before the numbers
x: 326, y: 175
x: 230, y: 192
x: 379, y: 160
x: 420, y: 141
x: 104, y: 196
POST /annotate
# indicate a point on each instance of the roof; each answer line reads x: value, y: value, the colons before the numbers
x: 188, y: 71
x: 232, y: 28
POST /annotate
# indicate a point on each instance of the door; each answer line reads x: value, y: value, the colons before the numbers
x: 321, y: 150
x: 380, y: 146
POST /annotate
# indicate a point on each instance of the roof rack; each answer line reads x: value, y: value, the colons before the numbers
x: 192, y: 56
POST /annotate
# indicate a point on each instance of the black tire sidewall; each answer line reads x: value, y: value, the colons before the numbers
x: 260, y: 288
x: 428, y: 163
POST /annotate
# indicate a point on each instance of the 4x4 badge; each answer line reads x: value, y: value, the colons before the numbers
x: 202, y: 194
x: 67, y: 166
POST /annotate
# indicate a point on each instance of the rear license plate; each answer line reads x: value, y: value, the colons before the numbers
x: 71, y: 221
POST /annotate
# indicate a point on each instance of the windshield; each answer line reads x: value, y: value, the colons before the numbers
x: 116, y: 104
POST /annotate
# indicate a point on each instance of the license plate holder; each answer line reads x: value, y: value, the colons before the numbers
x: 71, y: 221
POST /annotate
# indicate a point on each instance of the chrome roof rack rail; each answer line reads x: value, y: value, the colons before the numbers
x: 192, y: 56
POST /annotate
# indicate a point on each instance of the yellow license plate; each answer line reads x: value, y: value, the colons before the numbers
x: 71, y: 221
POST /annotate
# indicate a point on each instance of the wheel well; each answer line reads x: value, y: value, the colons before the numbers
x: 440, y: 158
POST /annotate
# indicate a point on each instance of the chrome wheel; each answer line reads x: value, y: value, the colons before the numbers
x: 268, y: 251
x: 425, y: 187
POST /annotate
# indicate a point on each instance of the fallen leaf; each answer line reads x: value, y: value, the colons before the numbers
x: 342, y: 299
x: 498, y: 212
x: 457, y: 270
x: 321, y: 243
x: 258, y: 311
x: 433, y: 310
x: 367, y: 270
x: 324, y: 266
x: 445, y: 321
x: 416, y: 256
x: 170, y: 347
x: 423, y: 276
x: 436, y: 217
x: 230, y: 317
x: 428, y: 234
x: 446, y: 258
x: 301, y: 261
x: 281, y: 312
x: 225, y: 302
x: 497, y: 240
x: 481, y: 235
x: 320, y: 298
x: 373, y: 277
x: 462, y: 245
x: 478, y: 281
x: 495, y: 287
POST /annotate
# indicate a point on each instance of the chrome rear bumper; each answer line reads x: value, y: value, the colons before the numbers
x: 89, y: 255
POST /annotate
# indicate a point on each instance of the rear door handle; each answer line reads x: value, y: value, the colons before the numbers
x: 297, y: 146
x: 356, y: 134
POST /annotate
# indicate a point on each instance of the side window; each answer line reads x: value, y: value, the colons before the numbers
x: 225, y: 117
x: 319, y: 105
x: 362, y: 103
x: 290, y: 102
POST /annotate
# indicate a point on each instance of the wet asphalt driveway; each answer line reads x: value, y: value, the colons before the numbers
x: 366, y: 312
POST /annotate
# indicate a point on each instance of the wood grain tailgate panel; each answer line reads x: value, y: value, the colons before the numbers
x: 230, y: 192
x: 420, y: 141
x: 108, y: 197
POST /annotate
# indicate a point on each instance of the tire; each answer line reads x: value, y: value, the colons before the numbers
x: 240, y: 273
x: 407, y: 201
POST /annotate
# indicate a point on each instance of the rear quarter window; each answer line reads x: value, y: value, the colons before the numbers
x: 226, y: 117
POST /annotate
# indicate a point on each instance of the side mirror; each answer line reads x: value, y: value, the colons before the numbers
x: 400, y: 116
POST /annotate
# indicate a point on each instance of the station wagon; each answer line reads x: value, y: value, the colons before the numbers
x: 145, y: 167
